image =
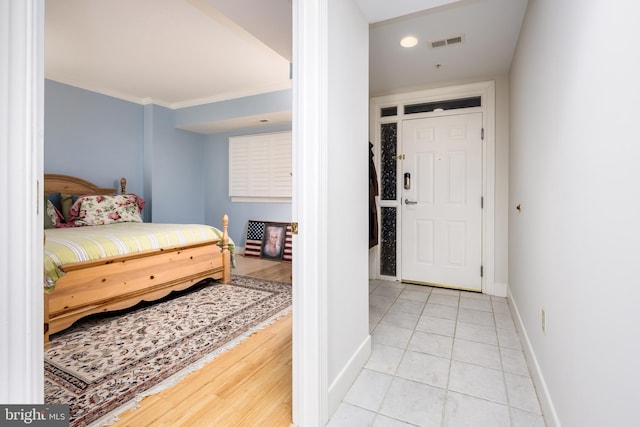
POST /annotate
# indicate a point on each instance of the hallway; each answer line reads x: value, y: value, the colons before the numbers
x: 440, y: 358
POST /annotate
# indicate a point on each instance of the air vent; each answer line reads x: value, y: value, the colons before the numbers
x: 447, y: 42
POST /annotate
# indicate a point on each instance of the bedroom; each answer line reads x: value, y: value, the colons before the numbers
x: 170, y: 142
x: 100, y: 138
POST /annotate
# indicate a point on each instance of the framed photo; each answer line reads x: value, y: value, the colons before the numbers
x: 273, y: 240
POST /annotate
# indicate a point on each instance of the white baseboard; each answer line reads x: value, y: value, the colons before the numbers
x: 546, y: 404
x: 339, y: 388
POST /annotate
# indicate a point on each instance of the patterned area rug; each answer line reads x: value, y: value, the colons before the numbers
x: 105, y: 364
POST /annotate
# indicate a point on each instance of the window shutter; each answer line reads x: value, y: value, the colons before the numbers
x: 260, y: 167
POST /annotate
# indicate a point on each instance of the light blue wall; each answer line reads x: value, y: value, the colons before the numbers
x: 233, y: 108
x: 183, y: 176
x: 92, y: 136
x: 100, y: 138
x: 217, y: 201
x: 177, y: 186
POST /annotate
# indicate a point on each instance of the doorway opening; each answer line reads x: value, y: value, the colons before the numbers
x: 409, y: 245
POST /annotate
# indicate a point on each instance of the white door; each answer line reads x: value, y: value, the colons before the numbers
x: 441, y: 201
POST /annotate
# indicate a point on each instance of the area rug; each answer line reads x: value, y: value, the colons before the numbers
x: 106, y: 364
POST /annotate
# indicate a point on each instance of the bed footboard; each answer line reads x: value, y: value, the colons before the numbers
x: 121, y: 282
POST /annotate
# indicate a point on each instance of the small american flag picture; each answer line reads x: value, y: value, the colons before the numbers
x: 255, y: 234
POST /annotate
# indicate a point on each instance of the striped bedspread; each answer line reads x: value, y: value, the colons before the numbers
x: 70, y: 245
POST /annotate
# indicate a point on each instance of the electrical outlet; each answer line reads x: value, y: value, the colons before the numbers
x: 544, y: 322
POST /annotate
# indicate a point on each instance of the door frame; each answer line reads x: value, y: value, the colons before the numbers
x: 22, y: 146
x: 486, y: 90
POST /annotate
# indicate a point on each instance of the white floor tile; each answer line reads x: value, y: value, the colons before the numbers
x: 387, y: 291
x: 477, y: 353
x: 400, y: 319
x: 475, y: 295
x: 381, y: 301
x: 408, y: 306
x: 442, y: 311
x: 351, y: 416
x: 372, y: 325
x: 415, y: 403
x: 384, y: 358
x: 462, y: 410
x: 509, y: 339
x: 479, y: 333
x: 424, y: 368
x: 522, y: 393
x: 436, y: 325
x: 382, y: 421
x: 440, y: 357
x: 377, y: 283
x: 504, y: 321
x: 476, y: 304
x: 478, y: 317
x: 520, y: 418
x: 369, y: 390
x: 436, y: 345
x: 391, y: 336
x: 477, y: 381
x: 445, y: 291
x: 500, y: 307
x: 514, y: 361
x: 376, y: 312
x: 414, y: 295
x: 418, y: 288
x: 444, y: 299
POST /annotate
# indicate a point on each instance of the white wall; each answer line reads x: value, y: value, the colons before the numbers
x: 331, y: 341
x: 347, y: 197
x: 574, y: 168
x: 501, y: 211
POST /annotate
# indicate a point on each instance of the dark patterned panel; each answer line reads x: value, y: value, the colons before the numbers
x: 388, y: 161
x: 388, y: 242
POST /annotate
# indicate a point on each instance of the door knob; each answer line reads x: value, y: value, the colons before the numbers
x: 410, y: 202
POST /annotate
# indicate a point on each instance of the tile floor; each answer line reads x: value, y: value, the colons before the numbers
x: 440, y: 358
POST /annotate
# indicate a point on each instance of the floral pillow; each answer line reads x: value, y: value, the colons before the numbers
x: 104, y: 209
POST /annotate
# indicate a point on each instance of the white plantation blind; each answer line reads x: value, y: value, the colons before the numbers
x: 260, y: 167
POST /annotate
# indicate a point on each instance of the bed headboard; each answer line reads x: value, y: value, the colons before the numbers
x: 66, y: 184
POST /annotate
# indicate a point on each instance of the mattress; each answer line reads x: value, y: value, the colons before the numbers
x: 79, y: 244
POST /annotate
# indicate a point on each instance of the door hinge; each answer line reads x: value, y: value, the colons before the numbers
x: 294, y: 228
x: 482, y: 202
x: 482, y: 134
x: 399, y: 157
x: 481, y: 271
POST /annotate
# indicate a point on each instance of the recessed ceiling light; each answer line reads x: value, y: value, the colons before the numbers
x: 409, y: 41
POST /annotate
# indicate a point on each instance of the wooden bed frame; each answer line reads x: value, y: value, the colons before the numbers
x: 123, y: 281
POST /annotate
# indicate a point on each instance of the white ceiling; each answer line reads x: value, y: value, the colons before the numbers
x: 490, y: 30
x: 178, y: 53
x: 173, y: 53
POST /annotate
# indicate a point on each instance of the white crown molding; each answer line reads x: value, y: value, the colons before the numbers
x: 174, y: 105
x: 233, y: 95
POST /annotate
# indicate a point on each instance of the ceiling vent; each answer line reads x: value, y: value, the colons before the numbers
x: 447, y: 42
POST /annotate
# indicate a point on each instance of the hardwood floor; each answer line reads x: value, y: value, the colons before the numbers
x: 249, y: 385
